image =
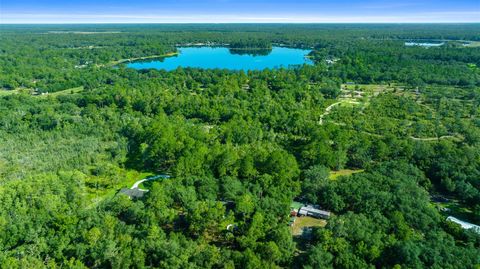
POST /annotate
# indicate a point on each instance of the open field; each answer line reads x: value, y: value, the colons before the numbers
x: 306, y: 222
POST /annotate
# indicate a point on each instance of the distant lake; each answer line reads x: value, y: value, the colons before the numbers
x: 225, y: 58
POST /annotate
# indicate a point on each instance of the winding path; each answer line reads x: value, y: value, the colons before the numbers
x: 435, y: 138
x: 137, y: 184
x: 329, y: 108
x: 465, y: 225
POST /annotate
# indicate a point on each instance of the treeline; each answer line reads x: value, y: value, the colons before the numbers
x: 366, y: 61
x: 251, y: 44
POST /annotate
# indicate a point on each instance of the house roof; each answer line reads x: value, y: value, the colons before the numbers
x: 314, y: 210
x: 133, y: 193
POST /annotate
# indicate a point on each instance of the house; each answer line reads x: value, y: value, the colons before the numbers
x: 313, y: 211
x: 134, y: 193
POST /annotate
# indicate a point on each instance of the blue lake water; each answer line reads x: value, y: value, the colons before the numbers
x: 223, y: 58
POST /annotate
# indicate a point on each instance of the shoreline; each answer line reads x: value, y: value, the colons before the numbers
x: 170, y: 54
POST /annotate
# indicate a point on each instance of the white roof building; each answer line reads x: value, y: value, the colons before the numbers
x: 464, y: 224
x: 312, y: 211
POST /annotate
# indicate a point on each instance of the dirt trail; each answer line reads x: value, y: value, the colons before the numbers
x: 330, y: 107
x: 435, y: 138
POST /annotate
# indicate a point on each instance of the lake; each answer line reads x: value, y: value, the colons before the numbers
x: 225, y: 58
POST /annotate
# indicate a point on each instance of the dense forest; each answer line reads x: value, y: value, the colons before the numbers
x: 399, y: 124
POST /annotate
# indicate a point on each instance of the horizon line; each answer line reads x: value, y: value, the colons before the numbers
x: 64, y: 18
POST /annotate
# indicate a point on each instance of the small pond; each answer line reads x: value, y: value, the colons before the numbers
x: 227, y: 58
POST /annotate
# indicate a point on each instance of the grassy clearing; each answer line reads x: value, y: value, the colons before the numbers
x: 456, y: 209
x: 64, y: 92
x: 473, y: 44
x: 306, y: 222
x: 367, y: 87
x: 4, y: 92
x: 370, y: 88
x: 344, y: 172
x: 132, y: 176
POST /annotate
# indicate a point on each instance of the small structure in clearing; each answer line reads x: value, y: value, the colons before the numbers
x: 303, y: 218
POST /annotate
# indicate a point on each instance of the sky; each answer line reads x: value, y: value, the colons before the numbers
x: 238, y: 11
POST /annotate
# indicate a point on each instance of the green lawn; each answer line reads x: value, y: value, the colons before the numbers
x: 306, y: 222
